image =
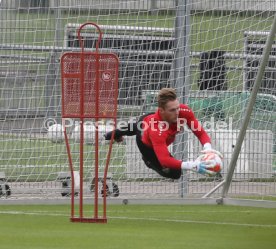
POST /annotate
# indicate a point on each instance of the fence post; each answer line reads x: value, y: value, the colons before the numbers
x: 181, y: 78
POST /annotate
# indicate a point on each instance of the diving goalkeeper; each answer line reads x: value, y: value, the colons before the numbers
x: 156, y: 131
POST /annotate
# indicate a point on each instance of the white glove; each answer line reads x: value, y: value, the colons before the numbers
x: 207, y: 148
x: 200, y: 167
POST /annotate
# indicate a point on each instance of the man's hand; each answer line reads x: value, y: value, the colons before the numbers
x: 201, y: 167
x: 207, y: 148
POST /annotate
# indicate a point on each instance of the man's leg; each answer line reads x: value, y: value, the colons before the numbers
x: 129, y: 130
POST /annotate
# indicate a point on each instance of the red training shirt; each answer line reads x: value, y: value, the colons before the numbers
x: 158, y: 134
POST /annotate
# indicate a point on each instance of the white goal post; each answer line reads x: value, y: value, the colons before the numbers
x: 209, y: 51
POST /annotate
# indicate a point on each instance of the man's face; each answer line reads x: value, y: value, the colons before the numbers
x: 170, y: 112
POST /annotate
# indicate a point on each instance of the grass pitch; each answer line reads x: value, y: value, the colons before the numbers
x: 140, y: 226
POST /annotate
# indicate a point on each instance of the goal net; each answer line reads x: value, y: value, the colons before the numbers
x: 209, y: 51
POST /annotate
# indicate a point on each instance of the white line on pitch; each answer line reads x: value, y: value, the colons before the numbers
x: 41, y: 213
x: 196, y: 222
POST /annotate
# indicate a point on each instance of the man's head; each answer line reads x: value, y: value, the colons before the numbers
x: 168, y: 105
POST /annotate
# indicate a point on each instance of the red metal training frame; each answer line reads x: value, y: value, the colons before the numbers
x: 89, y: 91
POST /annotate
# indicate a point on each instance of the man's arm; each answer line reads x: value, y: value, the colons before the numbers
x: 194, y: 125
x: 167, y: 161
x: 198, y: 130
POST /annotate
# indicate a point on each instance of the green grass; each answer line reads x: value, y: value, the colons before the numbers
x: 208, y: 32
x: 130, y: 226
x: 224, y: 32
x: 38, y: 159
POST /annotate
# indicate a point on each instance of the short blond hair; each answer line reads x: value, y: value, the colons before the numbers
x: 165, y: 95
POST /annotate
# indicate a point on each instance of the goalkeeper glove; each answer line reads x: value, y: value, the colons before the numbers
x: 207, y: 148
x: 201, y: 167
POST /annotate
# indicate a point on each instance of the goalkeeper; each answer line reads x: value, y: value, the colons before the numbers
x: 156, y: 131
